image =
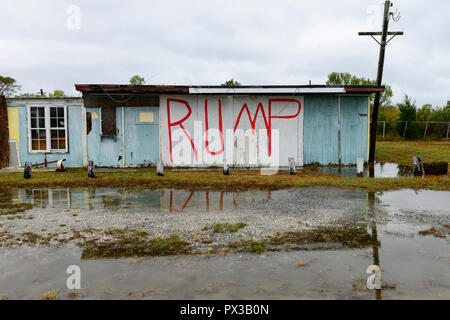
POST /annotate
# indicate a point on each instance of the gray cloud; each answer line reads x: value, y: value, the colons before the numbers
x: 208, y: 42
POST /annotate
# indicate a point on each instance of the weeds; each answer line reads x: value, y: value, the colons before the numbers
x: 226, y: 227
x: 51, y: 295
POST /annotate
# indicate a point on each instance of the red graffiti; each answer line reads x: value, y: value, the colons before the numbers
x: 220, y: 129
x: 184, y: 205
x: 179, y: 122
x: 269, y: 132
x: 267, y: 122
x: 252, y: 121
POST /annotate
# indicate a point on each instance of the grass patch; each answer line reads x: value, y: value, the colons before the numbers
x: 215, y: 180
x: 130, y: 243
x: 351, y: 237
x: 14, y: 208
x: 51, y: 295
x: 434, y: 232
x: 251, y: 246
x: 226, y: 227
x: 403, y: 151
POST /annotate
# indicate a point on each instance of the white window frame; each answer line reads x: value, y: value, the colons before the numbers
x: 47, y: 129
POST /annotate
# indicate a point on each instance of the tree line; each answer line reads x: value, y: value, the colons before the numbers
x: 401, y: 117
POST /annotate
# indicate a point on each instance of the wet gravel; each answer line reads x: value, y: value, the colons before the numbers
x: 159, y: 214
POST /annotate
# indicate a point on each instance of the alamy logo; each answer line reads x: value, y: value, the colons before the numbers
x: 374, y: 280
x: 74, y: 18
x: 74, y: 280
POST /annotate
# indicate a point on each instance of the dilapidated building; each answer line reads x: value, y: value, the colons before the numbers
x: 194, y: 126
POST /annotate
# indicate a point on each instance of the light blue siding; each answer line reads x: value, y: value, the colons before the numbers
x: 354, y: 128
x: 320, y: 130
x: 74, y: 157
x: 141, y: 139
x: 104, y: 151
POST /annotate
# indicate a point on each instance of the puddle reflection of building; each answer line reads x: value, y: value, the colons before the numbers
x: 205, y: 201
x: 371, y: 199
x: 43, y: 198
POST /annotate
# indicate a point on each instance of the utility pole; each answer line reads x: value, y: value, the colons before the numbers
x: 383, y: 43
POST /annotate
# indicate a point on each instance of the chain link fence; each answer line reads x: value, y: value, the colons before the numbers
x: 413, y: 130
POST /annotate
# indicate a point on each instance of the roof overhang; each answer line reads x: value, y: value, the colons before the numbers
x: 113, y: 89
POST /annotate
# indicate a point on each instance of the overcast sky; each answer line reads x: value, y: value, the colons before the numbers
x: 53, y: 44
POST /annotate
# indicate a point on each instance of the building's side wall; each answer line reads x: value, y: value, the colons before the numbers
x: 18, y: 124
x: 285, y: 120
x: 136, y: 142
x: 106, y: 151
x: 321, y: 129
x: 354, y: 128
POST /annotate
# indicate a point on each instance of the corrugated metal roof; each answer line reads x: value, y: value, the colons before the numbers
x: 253, y: 89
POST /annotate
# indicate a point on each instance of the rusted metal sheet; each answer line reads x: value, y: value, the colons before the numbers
x: 120, y: 88
x: 111, y: 89
x: 4, y: 134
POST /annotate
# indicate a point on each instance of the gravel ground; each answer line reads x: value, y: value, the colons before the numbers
x: 185, y: 213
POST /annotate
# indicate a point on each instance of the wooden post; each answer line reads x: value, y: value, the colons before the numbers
x: 91, y: 172
x: 292, y: 166
x: 226, y: 169
x: 404, y: 131
x: 27, y: 170
x: 426, y: 128
x: 4, y: 133
x: 359, y: 166
x: 160, y: 168
x: 417, y: 163
x: 448, y: 129
x: 376, y: 105
x: 384, y: 129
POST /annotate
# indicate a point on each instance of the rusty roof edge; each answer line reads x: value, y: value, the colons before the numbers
x: 127, y: 88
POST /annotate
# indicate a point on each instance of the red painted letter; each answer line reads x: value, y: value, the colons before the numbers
x: 179, y: 122
x: 220, y: 129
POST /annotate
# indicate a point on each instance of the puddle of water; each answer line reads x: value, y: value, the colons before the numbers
x: 421, y: 201
x: 382, y: 170
x: 413, y: 266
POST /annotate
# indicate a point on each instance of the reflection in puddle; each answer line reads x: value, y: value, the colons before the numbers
x: 382, y: 170
x: 414, y: 266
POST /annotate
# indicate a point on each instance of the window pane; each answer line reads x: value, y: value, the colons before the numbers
x: 41, y: 112
x: 62, y: 143
x: 61, y: 123
x: 33, y: 111
x: 41, y: 122
x: 62, y: 133
x: 34, y: 134
x: 53, y: 122
x: 54, y: 134
x: 55, y: 144
x: 60, y: 112
x: 52, y: 112
x: 42, y: 144
x: 33, y: 122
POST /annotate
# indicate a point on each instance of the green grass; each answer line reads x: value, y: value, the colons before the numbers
x: 404, y: 151
x: 226, y: 227
x: 387, y: 151
x: 215, y: 180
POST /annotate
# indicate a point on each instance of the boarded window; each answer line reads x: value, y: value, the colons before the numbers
x: 88, y: 122
x: 109, y: 121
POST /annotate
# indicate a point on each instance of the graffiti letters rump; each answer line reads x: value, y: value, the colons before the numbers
x: 248, y: 131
